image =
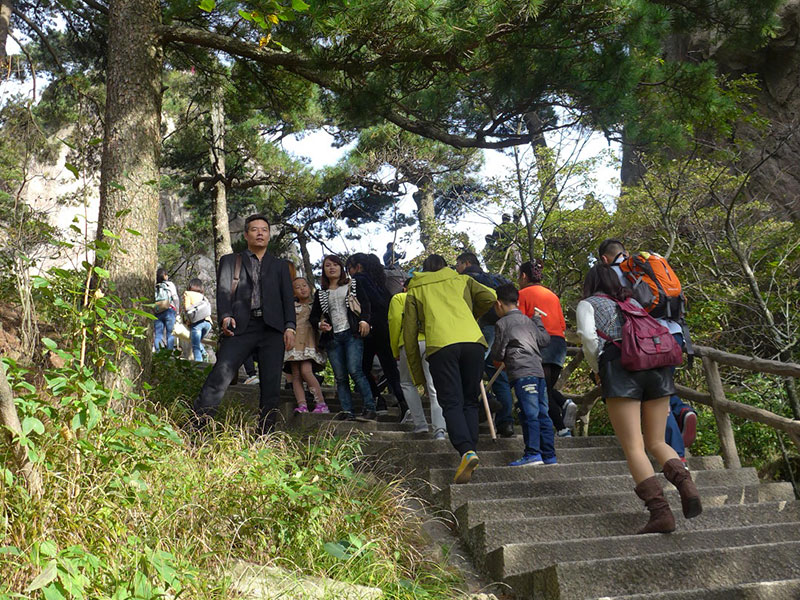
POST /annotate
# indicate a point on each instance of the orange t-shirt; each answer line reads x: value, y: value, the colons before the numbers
x: 538, y: 296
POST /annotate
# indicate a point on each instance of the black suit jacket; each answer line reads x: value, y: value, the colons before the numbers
x: 277, y: 296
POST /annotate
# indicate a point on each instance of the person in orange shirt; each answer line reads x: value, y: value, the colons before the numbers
x: 534, y: 298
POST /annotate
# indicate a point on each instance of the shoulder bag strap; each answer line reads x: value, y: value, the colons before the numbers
x: 237, y: 271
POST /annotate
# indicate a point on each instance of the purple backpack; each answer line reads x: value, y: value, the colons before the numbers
x: 646, y: 344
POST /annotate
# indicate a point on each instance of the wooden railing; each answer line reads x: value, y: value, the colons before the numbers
x: 714, y: 398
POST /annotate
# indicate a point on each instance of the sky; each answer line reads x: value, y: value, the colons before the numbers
x: 316, y: 148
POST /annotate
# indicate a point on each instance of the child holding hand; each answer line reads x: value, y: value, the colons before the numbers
x: 305, y: 351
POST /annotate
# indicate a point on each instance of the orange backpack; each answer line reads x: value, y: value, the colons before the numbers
x: 655, y: 285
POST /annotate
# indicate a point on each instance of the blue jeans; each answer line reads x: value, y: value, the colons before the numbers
x: 537, y: 428
x: 345, y: 352
x: 165, y: 322
x: 197, y: 333
x: 501, y: 386
x: 673, y: 435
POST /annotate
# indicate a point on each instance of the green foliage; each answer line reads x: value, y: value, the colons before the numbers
x: 133, y: 508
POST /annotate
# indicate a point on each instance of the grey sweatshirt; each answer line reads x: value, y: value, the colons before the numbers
x: 517, y: 340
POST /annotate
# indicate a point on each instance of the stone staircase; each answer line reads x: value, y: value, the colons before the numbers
x: 566, y: 531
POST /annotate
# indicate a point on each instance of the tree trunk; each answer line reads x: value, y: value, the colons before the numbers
x: 129, y: 174
x: 10, y: 420
x: 308, y: 268
x: 6, y: 8
x: 424, y: 198
x: 219, y: 200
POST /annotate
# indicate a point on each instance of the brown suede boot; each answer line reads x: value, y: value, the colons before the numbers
x: 661, y: 519
x: 678, y: 476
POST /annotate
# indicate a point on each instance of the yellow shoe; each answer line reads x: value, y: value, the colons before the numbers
x: 464, y: 471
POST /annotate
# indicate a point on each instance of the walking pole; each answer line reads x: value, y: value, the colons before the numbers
x: 486, y: 401
x: 488, y: 413
x: 496, y: 373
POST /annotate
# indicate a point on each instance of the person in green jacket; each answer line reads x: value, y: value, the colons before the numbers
x: 444, y: 306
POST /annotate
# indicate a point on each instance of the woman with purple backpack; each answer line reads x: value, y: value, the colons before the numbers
x: 637, y: 400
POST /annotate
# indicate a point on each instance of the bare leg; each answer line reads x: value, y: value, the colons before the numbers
x: 313, y: 385
x: 297, y: 384
x: 625, y: 415
x: 654, y: 422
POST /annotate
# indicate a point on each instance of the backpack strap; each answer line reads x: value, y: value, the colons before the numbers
x: 237, y: 271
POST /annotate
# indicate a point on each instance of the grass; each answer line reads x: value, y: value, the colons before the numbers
x: 135, y: 508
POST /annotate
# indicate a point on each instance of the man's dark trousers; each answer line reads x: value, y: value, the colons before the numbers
x: 267, y: 344
x: 456, y: 371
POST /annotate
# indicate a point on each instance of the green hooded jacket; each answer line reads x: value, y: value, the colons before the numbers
x: 444, y: 306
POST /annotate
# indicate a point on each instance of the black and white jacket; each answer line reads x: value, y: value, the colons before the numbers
x: 321, y: 309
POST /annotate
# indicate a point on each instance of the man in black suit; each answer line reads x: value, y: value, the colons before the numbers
x: 255, y: 308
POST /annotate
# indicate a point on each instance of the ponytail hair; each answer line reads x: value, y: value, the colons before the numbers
x: 602, y: 279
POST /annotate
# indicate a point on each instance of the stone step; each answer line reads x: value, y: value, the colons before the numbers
x: 787, y: 589
x: 473, y: 512
x: 688, y: 570
x: 452, y: 496
x: 500, y: 458
x: 489, y: 474
x: 490, y: 535
x: 518, y: 559
x: 398, y: 443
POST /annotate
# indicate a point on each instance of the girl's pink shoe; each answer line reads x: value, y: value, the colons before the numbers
x: 301, y: 409
x: 321, y: 407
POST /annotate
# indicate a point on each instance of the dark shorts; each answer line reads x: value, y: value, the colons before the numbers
x: 555, y: 353
x: 641, y: 385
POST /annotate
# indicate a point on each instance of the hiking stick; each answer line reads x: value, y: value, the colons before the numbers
x: 488, y: 413
x: 496, y: 373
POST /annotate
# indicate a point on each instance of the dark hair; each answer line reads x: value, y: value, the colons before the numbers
x: 195, y: 285
x: 161, y: 275
x: 468, y: 257
x: 372, y: 266
x: 255, y: 217
x: 610, y: 246
x: 602, y: 279
x: 389, y: 245
x: 532, y: 270
x: 507, y: 293
x: 434, y: 262
x: 343, y: 278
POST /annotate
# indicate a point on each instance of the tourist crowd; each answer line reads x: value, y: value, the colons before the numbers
x: 445, y: 330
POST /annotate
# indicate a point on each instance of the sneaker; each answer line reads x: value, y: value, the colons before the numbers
x: 252, y: 380
x: 407, y: 418
x: 380, y: 406
x: 301, y: 409
x: 421, y: 429
x: 570, y: 413
x: 439, y: 435
x: 345, y: 416
x: 468, y: 464
x: 564, y: 433
x: 688, y: 427
x: 367, y: 415
x: 321, y: 407
x: 550, y: 460
x: 527, y: 460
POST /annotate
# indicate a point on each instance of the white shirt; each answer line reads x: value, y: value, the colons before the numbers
x: 337, y: 300
x: 587, y: 330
